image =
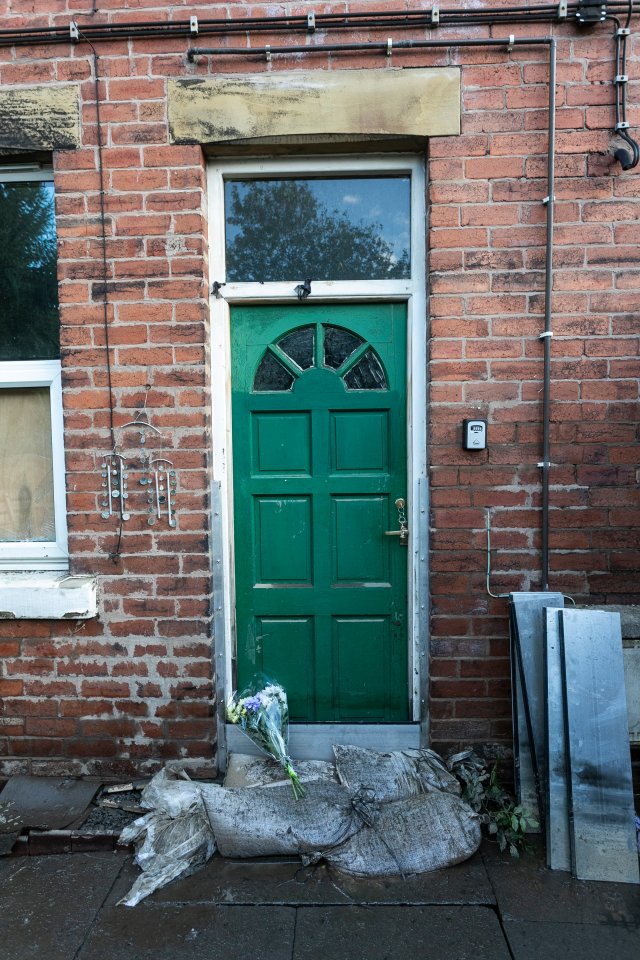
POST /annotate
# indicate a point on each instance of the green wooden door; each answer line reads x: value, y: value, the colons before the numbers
x: 319, y: 459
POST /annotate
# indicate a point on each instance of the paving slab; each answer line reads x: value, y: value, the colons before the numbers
x: 203, y: 932
x: 286, y: 882
x: 527, y: 890
x: 386, y: 933
x: 7, y: 867
x: 48, y: 803
x: 541, y: 941
x: 49, y: 903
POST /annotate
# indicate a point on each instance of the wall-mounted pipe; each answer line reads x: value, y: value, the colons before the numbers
x: 407, y: 19
x: 627, y: 160
x: 547, y: 334
x: 382, y: 46
x: 373, y: 19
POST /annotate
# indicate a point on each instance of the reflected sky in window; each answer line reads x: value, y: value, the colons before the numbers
x: 327, y: 229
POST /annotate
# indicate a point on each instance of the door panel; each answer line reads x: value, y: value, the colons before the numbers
x: 359, y: 553
x: 285, y: 650
x: 285, y: 521
x: 357, y: 640
x: 281, y: 443
x: 319, y: 454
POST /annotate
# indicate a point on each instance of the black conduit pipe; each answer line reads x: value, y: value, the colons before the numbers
x: 372, y: 18
x: 547, y: 333
x: 381, y: 46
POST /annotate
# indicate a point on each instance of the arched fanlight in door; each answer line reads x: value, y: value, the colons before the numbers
x: 331, y: 347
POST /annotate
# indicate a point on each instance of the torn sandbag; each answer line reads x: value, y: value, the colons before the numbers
x: 270, y: 821
x: 396, y: 775
x: 406, y: 837
x: 174, y: 840
x: 245, y: 770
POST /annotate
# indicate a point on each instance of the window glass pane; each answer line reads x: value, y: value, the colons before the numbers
x: 26, y: 466
x: 325, y: 229
x: 272, y: 375
x: 28, y: 282
x: 299, y: 346
x: 367, y: 374
x: 338, y: 345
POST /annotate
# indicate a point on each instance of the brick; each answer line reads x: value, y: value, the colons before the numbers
x: 104, y: 688
x: 144, y: 664
x: 9, y: 648
x: 491, y: 168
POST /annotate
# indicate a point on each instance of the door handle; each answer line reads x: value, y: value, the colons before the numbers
x: 403, y: 526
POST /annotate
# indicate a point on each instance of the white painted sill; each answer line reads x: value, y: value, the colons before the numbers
x: 47, y: 596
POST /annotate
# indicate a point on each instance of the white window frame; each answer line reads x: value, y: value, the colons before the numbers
x: 38, y: 554
x: 411, y: 291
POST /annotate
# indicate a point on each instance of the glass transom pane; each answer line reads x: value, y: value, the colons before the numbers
x: 26, y: 465
x: 299, y: 346
x: 367, y: 374
x: 28, y: 282
x: 338, y: 345
x: 354, y: 228
x: 272, y: 375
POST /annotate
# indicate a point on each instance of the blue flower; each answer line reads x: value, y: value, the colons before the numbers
x: 252, y: 703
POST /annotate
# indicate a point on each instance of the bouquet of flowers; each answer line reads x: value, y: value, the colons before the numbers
x: 263, y: 714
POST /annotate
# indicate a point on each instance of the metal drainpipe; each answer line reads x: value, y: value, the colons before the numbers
x: 547, y: 334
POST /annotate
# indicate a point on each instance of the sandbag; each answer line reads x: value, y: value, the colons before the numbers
x: 173, y: 840
x: 396, y: 775
x: 245, y: 770
x: 268, y: 821
x: 406, y: 837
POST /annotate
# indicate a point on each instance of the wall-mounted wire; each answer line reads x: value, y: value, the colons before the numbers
x: 105, y: 272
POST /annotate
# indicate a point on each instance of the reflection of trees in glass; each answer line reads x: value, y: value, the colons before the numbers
x: 285, y: 232
x: 28, y: 282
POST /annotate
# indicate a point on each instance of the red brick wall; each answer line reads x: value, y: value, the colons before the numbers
x: 486, y: 238
x: 134, y: 687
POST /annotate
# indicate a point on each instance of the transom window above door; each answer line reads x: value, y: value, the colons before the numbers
x: 323, y: 228
x: 320, y: 345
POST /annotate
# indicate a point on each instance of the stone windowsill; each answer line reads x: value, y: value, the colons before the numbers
x: 47, y: 596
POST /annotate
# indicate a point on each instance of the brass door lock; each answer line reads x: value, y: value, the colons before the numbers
x: 403, y: 530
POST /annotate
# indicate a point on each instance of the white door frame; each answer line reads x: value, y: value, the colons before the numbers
x: 413, y: 293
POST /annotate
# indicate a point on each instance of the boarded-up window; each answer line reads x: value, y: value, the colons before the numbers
x: 26, y: 467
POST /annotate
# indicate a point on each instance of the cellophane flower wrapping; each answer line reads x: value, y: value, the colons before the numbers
x: 262, y: 712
